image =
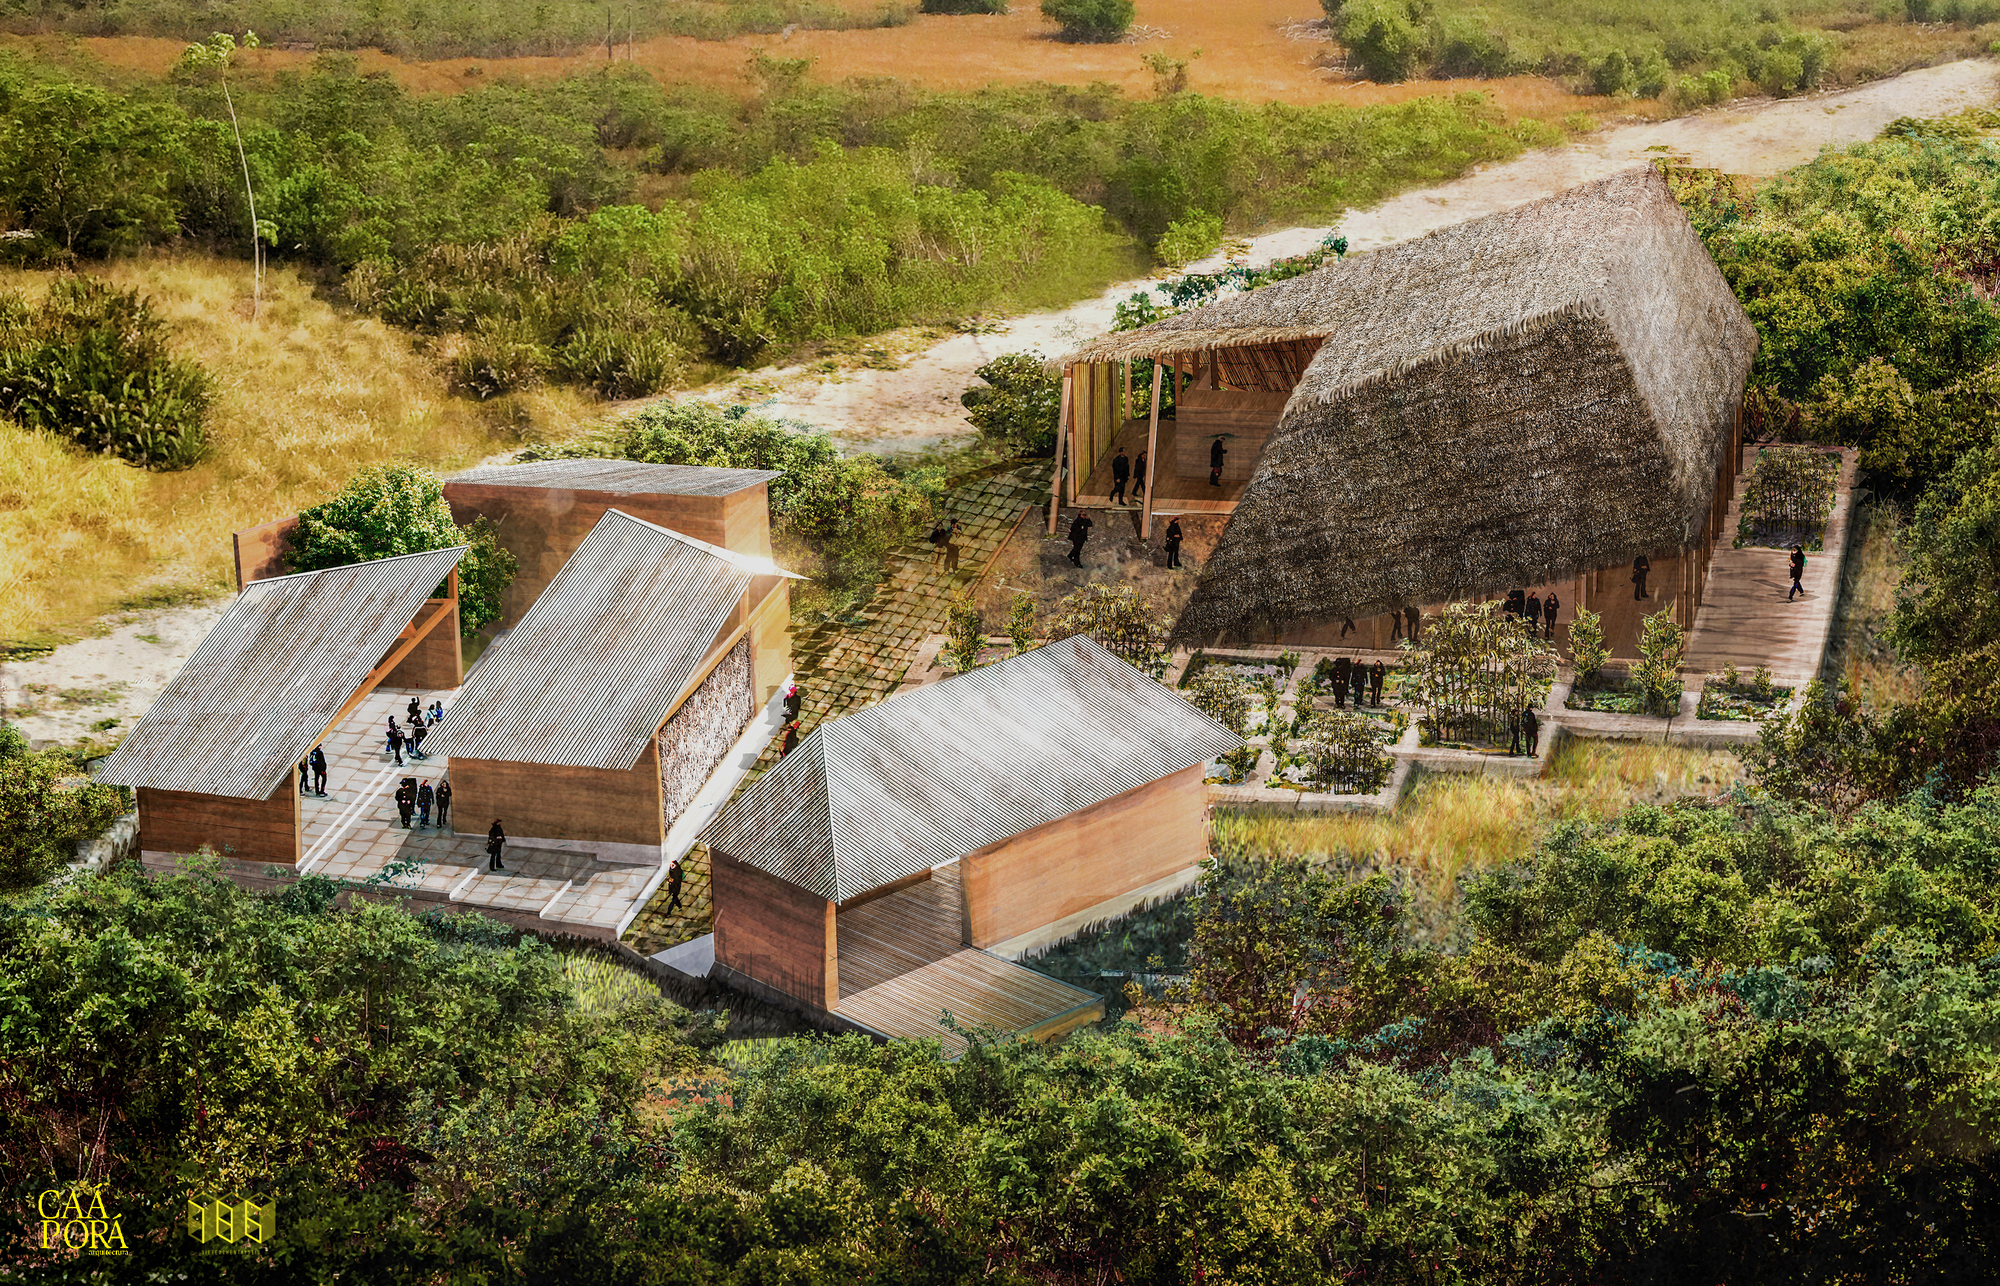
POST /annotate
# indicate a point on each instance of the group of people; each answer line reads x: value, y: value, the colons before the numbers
x: 419, y: 726
x: 1361, y: 679
x: 312, y: 773
x: 1079, y: 533
x: 1538, y: 613
x: 1125, y: 471
x: 418, y: 798
x: 1526, y: 730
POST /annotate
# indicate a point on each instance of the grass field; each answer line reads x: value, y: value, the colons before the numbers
x: 1858, y: 651
x: 306, y: 395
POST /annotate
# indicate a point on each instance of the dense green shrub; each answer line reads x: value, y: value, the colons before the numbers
x: 92, y: 364
x: 389, y: 510
x: 1384, y: 38
x: 1096, y: 21
x: 1016, y: 407
x: 47, y: 805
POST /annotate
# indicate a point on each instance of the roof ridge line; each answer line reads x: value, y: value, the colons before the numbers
x: 742, y: 562
x: 366, y: 562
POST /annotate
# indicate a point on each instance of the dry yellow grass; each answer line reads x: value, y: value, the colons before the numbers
x: 1450, y: 824
x: 1858, y: 651
x: 305, y: 396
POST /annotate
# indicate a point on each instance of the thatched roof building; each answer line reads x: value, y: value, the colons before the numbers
x: 1520, y: 398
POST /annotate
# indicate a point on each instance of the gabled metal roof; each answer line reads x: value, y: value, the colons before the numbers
x: 262, y: 687
x: 628, y: 476
x: 593, y: 669
x: 931, y: 775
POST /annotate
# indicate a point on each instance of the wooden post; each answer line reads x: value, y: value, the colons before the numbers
x: 1128, y: 390
x: 1152, y: 460
x: 1069, y: 428
x: 1062, y: 457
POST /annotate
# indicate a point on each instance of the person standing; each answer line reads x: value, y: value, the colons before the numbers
x: 1341, y: 666
x: 406, y: 800
x: 674, y: 887
x: 496, y: 844
x: 1121, y: 473
x: 425, y: 797
x: 1412, y: 618
x: 1513, y: 731
x: 415, y: 708
x: 1515, y: 603
x: 1139, y: 476
x: 1346, y: 626
x: 396, y: 742
x: 1079, y: 531
x: 1216, y: 455
x: 437, y: 711
x: 1395, y: 624
x: 1534, y: 614
x: 1174, y: 543
x: 417, y: 731
x: 1531, y: 729
x: 793, y: 700
x: 1549, y: 606
x: 791, y: 740
x: 1360, y: 684
x: 319, y: 771
x: 951, y: 545
x: 1376, y: 673
x: 1798, y: 572
x: 444, y: 803
x: 1642, y: 567
x: 305, y: 774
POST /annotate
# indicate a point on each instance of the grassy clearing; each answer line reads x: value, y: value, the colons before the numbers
x: 1859, y: 652
x: 305, y: 396
x: 1452, y: 824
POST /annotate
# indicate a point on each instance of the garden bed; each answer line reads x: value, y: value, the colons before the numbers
x: 1726, y: 696
x: 1788, y: 497
x: 1612, y: 695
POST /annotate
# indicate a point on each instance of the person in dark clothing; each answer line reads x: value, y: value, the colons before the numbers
x: 951, y: 545
x: 425, y: 798
x: 1798, y: 572
x: 1513, y: 732
x: 1395, y: 625
x: 319, y: 771
x: 1360, y: 684
x: 1346, y: 626
x: 415, y: 708
x: 1376, y: 673
x: 1515, y: 603
x: 1414, y: 619
x: 437, y: 711
x: 444, y: 803
x: 1534, y: 614
x: 417, y: 730
x: 305, y: 774
x: 1549, y: 606
x: 939, y: 534
x: 1341, y: 666
x: 1139, y: 476
x: 674, y: 878
x: 793, y: 700
x: 393, y: 732
x: 1174, y: 543
x: 496, y: 844
x: 1121, y: 473
x: 396, y: 742
x: 1531, y: 729
x: 1216, y: 455
x: 406, y: 800
x: 791, y: 739
x: 1079, y: 531
x: 1641, y: 568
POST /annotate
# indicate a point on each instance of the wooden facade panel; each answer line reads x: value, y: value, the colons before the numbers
x: 770, y: 638
x: 176, y: 821
x: 260, y: 550
x: 1203, y: 413
x: 1075, y: 862
x: 774, y: 932
x: 554, y: 801
x: 438, y: 660
x: 746, y: 521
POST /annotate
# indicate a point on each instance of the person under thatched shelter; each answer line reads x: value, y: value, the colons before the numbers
x: 1516, y: 400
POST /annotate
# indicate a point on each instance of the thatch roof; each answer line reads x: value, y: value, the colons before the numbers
x: 1516, y: 399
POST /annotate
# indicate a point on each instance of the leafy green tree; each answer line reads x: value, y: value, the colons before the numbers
x: 1092, y: 21
x: 85, y: 169
x: 217, y: 52
x: 1023, y: 631
x: 1017, y: 407
x: 964, y: 639
x: 1118, y: 620
x: 389, y: 510
x: 47, y: 805
x: 1384, y: 37
x: 1662, y: 648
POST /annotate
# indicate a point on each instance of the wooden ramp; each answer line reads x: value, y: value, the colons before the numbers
x: 977, y: 990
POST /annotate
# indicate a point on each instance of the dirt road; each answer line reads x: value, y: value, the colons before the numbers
x: 916, y: 406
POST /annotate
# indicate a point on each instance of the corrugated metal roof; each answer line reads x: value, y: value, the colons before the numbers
x: 261, y: 688
x: 931, y: 775
x: 629, y: 476
x: 592, y: 670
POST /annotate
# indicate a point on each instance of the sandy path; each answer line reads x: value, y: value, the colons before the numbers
x: 917, y: 405
x: 117, y: 675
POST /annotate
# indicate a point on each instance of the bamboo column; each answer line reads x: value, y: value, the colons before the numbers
x: 1069, y: 427
x: 1128, y: 390
x: 1152, y: 457
x: 1062, y: 444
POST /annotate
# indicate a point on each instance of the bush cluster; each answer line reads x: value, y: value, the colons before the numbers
x: 1016, y: 405
x: 48, y: 805
x: 1090, y: 21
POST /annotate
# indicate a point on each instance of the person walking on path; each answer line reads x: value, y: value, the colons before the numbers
x: 444, y: 803
x: 1413, y: 618
x: 791, y: 739
x: 425, y: 797
x: 406, y: 800
x: 939, y: 534
x: 305, y: 774
x: 1174, y: 544
x: 1798, y: 572
x: 1079, y: 531
x: 1216, y: 455
x: 1534, y: 614
x: 1341, y: 667
x: 496, y: 844
x: 793, y: 700
x: 674, y: 887
x: 417, y: 731
x: 1121, y: 473
x: 1376, y: 673
x: 1549, y: 606
x: 319, y: 771
x: 1139, y: 476
x: 1641, y: 568
x: 1531, y: 729
x: 396, y: 742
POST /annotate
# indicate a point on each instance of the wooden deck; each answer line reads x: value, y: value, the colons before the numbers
x: 904, y: 963
x: 1176, y: 495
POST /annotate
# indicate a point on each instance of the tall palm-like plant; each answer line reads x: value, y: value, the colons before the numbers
x: 218, y: 51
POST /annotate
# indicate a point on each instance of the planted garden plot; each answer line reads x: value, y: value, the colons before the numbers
x: 1730, y: 696
x: 1788, y: 496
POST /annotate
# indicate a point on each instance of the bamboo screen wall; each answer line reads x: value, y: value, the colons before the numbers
x: 1097, y: 398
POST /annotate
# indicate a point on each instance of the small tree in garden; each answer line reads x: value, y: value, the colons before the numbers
x: 1474, y: 670
x: 1220, y: 695
x: 1118, y: 620
x: 1344, y: 753
x: 1016, y: 409
x: 1586, y: 645
x: 964, y: 638
x: 1662, y: 646
x: 1021, y: 629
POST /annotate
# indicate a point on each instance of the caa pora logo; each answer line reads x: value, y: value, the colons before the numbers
x: 233, y: 1218
x: 76, y: 1218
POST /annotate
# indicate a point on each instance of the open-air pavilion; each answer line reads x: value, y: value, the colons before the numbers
x: 896, y: 861
x: 1528, y: 400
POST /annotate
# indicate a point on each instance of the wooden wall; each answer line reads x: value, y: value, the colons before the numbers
x: 774, y: 932
x: 770, y: 636
x: 175, y: 821
x: 553, y: 801
x: 437, y: 661
x: 1097, y: 401
x: 1202, y: 413
x: 260, y: 550
x: 1075, y: 862
x: 542, y: 526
